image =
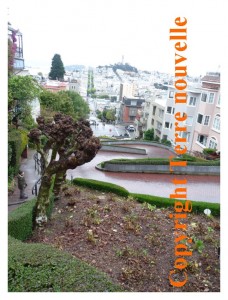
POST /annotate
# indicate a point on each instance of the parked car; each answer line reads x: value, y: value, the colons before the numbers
x: 131, y: 128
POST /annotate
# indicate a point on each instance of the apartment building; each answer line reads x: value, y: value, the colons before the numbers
x: 207, y: 126
x: 129, y: 109
x: 202, y: 109
x: 127, y: 90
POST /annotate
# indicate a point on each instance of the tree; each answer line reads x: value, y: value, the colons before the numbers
x: 80, y: 107
x: 67, y: 102
x: 57, y: 69
x: 21, y: 91
x: 71, y: 143
x: 110, y: 115
x: 149, y: 135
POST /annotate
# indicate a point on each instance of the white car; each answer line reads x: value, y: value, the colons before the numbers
x: 131, y: 128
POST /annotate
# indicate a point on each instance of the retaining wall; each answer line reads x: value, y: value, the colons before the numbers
x: 194, y: 170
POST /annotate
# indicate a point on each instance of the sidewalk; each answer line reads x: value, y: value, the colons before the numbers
x: 31, y: 176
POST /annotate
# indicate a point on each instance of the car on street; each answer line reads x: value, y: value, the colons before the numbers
x: 131, y: 128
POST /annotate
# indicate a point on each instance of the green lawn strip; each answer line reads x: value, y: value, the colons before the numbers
x: 42, y: 268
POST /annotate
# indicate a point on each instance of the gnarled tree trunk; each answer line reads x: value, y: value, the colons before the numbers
x: 43, y: 199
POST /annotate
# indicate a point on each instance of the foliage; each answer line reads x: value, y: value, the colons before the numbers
x: 101, y: 186
x: 161, y: 161
x: 17, y: 142
x: 197, y: 206
x: 166, y: 142
x: 149, y: 135
x: 57, y: 68
x: 20, y: 222
x: 80, y: 107
x: 67, y: 102
x: 11, y: 53
x: 110, y: 114
x: 41, y: 268
x: 23, y: 88
x: 21, y: 91
x: 209, y: 151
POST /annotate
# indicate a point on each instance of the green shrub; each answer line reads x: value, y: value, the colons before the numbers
x: 20, y: 221
x: 162, y: 161
x: 209, y: 151
x: 42, y: 268
x: 197, y: 207
x: 101, y: 186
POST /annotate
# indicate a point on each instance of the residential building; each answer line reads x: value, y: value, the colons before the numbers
x: 207, y: 126
x: 129, y: 109
x: 56, y: 86
x: 15, y: 36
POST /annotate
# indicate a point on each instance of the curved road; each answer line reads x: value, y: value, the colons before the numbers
x: 199, y: 188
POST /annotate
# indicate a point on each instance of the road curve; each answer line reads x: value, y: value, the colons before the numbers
x: 199, y: 188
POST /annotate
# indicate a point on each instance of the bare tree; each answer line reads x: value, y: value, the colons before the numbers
x: 68, y: 144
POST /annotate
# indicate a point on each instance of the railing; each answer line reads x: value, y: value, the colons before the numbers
x: 35, y: 188
x: 39, y: 164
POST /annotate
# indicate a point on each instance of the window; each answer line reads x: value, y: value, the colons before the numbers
x: 186, y: 135
x: 132, y: 112
x: 169, y: 109
x: 211, y: 98
x: 173, y: 110
x: 204, y: 97
x: 192, y: 101
x: 213, y: 143
x: 154, y: 110
x: 166, y: 124
x: 152, y: 122
x: 216, y: 123
x: 218, y: 101
x: 159, y: 125
x: 202, y: 139
x: 160, y: 113
x: 200, y: 118
x: 189, y: 121
x: 206, y: 120
x: 133, y: 102
x: 171, y: 93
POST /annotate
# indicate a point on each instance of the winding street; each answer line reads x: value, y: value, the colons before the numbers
x: 199, y: 188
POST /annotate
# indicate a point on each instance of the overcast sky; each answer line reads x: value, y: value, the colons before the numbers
x: 98, y: 32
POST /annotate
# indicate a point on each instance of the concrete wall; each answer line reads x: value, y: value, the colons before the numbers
x: 123, y: 149
x: 195, y: 170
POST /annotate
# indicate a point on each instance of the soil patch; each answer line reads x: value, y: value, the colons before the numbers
x: 133, y: 243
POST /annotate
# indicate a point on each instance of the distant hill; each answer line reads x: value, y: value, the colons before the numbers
x: 124, y: 67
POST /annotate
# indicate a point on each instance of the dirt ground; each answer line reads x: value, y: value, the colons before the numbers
x: 133, y: 243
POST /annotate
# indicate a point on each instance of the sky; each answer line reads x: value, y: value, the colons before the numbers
x: 100, y: 32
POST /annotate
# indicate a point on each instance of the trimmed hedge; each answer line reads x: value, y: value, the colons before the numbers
x: 42, y: 268
x: 101, y: 186
x: 159, y: 161
x: 197, y: 206
x: 20, y: 222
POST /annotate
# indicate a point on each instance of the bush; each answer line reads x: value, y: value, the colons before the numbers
x: 209, y: 151
x: 162, y: 161
x: 101, y: 186
x: 42, y: 268
x: 197, y: 207
x: 149, y: 135
x: 20, y: 222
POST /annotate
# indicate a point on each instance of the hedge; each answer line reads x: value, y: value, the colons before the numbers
x: 20, y: 222
x: 101, y: 186
x: 17, y: 141
x: 159, y: 161
x: 197, y: 206
x: 42, y: 268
